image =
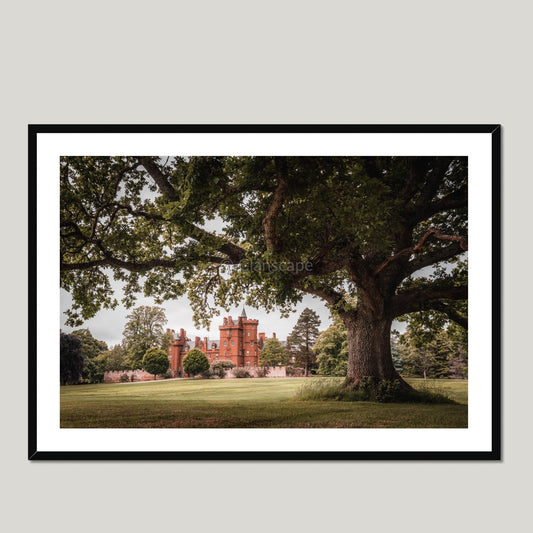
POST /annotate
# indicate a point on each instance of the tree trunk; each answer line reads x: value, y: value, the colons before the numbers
x: 369, y: 348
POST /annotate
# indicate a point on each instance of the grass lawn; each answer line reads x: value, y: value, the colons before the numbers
x: 247, y: 403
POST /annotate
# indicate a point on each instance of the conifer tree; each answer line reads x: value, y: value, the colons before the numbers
x: 302, y: 339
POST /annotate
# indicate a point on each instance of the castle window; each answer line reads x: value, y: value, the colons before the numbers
x: 248, y: 334
x: 248, y: 364
x: 216, y: 356
x: 251, y: 343
x: 247, y: 352
x: 232, y: 343
x: 225, y: 343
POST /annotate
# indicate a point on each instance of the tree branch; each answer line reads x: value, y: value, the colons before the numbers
x: 433, y: 181
x: 417, y: 168
x: 133, y: 266
x: 463, y: 243
x: 454, y: 200
x: 425, y: 298
x: 234, y: 252
x: 160, y: 179
x: 331, y: 296
x: 452, y: 313
x: 272, y: 240
x: 441, y: 254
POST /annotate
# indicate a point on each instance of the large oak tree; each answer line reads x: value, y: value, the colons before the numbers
x: 375, y: 237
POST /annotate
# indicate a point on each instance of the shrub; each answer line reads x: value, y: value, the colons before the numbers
x: 195, y: 362
x: 219, y: 368
x: 241, y: 373
x: 124, y: 378
x: 155, y: 361
x: 166, y: 375
x: 291, y: 371
x: 366, y: 387
x: 388, y: 391
x: 262, y: 371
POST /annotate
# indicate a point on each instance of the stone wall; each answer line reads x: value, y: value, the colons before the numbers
x: 138, y: 375
x: 141, y: 375
x: 275, y: 372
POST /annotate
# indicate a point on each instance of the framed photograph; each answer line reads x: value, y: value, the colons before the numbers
x: 264, y: 292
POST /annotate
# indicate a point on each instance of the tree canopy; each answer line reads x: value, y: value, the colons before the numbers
x: 375, y: 237
x: 116, y: 358
x: 91, y: 347
x: 273, y: 353
x: 71, y: 359
x: 331, y: 350
x: 144, y: 330
x: 93, y: 370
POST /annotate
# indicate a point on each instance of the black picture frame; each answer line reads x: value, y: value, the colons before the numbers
x: 496, y: 449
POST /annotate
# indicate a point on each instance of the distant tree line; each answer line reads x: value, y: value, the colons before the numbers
x: 144, y: 346
x: 428, y: 348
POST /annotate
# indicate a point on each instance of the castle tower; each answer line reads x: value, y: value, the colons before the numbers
x: 230, y: 340
x: 177, y: 351
x: 238, y: 341
x: 250, y: 347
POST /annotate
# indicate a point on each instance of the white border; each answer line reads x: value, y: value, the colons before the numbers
x: 50, y: 437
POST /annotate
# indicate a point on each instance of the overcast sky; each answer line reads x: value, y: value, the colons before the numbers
x: 108, y: 325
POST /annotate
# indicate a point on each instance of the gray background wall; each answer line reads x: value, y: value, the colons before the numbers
x: 267, y: 62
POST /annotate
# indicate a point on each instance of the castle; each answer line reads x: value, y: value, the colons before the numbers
x: 239, y: 342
